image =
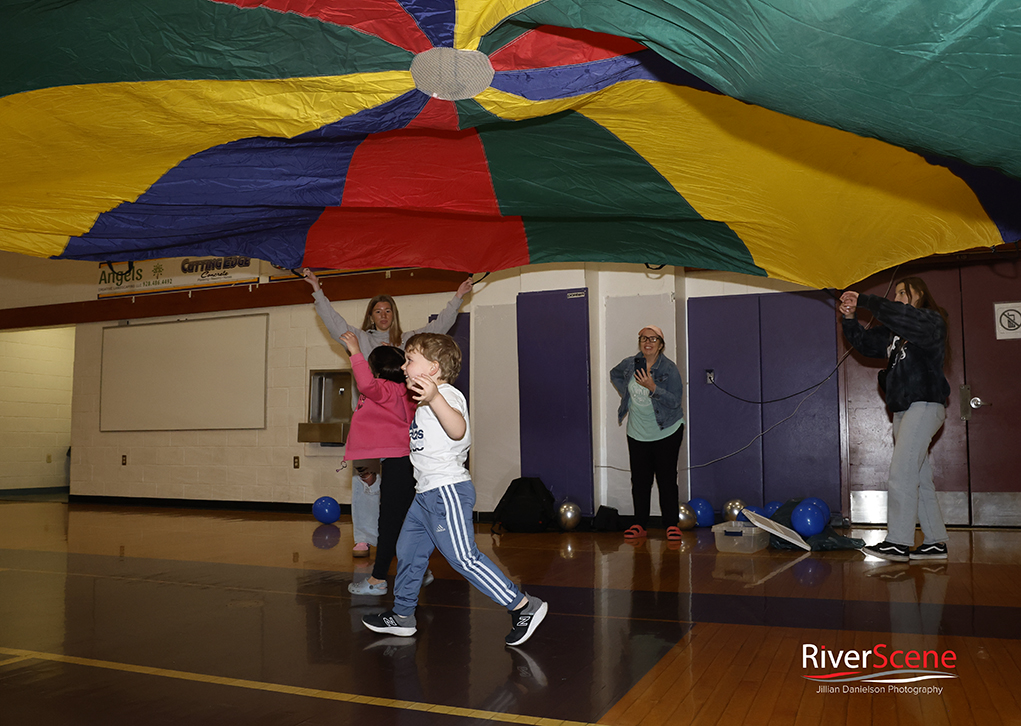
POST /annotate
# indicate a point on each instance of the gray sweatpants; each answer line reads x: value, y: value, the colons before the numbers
x: 911, y: 493
x: 441, y: 519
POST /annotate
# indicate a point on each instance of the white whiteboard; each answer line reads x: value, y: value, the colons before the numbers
x: 185, y: 375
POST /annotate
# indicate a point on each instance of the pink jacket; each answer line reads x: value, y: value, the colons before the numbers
x: 379, y: 426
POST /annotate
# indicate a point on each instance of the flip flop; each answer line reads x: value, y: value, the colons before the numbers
x: 673, y: 532
x: 635, y: 531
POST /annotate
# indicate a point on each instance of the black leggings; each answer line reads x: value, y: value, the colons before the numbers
x: 397, y: 492
x: 654, y: 459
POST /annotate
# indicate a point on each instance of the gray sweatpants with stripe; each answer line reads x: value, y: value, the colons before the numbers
x: 441, y: 519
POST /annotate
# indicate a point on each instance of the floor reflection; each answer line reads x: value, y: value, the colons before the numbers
x: 185, y: 617
x: 299, y: 627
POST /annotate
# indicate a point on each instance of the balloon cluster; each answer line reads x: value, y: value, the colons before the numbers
x: 809, y: 517
x: 701, y: 510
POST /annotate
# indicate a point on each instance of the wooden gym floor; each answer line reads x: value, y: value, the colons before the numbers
x: 117, y: 615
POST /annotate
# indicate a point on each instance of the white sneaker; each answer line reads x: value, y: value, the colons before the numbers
x: 364, y: 587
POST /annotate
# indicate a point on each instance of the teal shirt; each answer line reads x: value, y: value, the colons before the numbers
x: 641, y: 419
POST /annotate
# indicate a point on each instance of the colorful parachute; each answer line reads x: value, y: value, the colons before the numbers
x: 816, y: 143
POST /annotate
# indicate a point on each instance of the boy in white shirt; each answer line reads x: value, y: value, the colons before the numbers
x: 441, y: 515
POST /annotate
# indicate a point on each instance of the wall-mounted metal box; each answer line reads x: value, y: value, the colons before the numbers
x: 330, y: 404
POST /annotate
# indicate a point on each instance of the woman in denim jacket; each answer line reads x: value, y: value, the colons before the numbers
x: 650, y: 387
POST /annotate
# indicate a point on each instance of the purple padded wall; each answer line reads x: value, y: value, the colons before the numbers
x: 554, y: 399
x: 763, y: 347
x: 723, y: 335
x: 801, y: 457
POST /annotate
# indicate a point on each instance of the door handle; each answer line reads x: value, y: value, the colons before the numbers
x: 969, y: 402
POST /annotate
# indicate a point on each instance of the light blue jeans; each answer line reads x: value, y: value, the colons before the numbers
x: 365, y: 508
x: 911, y: 493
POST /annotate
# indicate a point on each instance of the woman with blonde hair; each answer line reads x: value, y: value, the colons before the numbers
x: 381, y: 325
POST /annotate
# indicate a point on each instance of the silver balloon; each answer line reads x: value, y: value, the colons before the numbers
x: 686, y: 517
x: 732, y: 509
x: 568, y: 515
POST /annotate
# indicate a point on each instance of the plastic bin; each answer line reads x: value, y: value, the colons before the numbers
x: 741, y: 537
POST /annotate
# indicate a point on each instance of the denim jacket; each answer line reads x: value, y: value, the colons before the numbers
x: 666, y: 401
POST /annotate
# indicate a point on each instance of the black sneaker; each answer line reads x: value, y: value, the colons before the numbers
x: 391, y: 623
x: 526, y: 671
x: 526, y: 620
x: 934, y: 551
x: 888, y: 551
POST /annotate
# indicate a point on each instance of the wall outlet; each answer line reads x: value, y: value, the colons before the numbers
x: 297, y: 462
x: 710, y: 376
x: 124, y: 459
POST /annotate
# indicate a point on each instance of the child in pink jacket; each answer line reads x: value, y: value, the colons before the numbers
x: 379, y: 430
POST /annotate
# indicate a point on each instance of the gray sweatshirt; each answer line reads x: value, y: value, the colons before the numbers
x: 368, y: 340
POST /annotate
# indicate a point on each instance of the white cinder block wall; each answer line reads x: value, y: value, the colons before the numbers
x: 234, y: 465
x: 257, y: 465
x: 36, y: 369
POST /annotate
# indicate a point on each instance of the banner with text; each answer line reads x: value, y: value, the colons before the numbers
x: 175, y: 273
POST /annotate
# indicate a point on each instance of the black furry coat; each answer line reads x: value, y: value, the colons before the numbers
x: 913, y: 340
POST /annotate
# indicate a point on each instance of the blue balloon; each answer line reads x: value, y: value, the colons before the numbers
x: 772, y: 506
x: 757, y: 510
x: 704, y: 514
x: 808, y: 519
x: 812, y: 572
x: 819, y: 503
x: 326, y: 510
x: 326, y: 536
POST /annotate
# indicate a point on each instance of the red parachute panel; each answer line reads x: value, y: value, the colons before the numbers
x: 385, y: 19
x: 352, y: 239
x: 548, y: 46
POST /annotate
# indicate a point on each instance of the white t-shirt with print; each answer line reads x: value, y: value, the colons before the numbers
x: 437, y: 458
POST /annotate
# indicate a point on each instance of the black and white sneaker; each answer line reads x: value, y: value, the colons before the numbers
x: 526, y: 671
x: 888, y: 551
x: 526, y: 620
x: 934, y: 551
x: 896, y: 572
x: 391, y: 623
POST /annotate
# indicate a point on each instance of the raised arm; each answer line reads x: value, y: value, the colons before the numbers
x: 335, y: 323
x: 368, y: 385
x: 445, y: 320
x: 924, y: 328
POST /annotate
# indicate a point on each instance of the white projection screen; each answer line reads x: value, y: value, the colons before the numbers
x: 185, y: 375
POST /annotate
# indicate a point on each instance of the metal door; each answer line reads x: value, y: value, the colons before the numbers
x: 870, y: 426
x: 992, y: 396
x: 975, y: 461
